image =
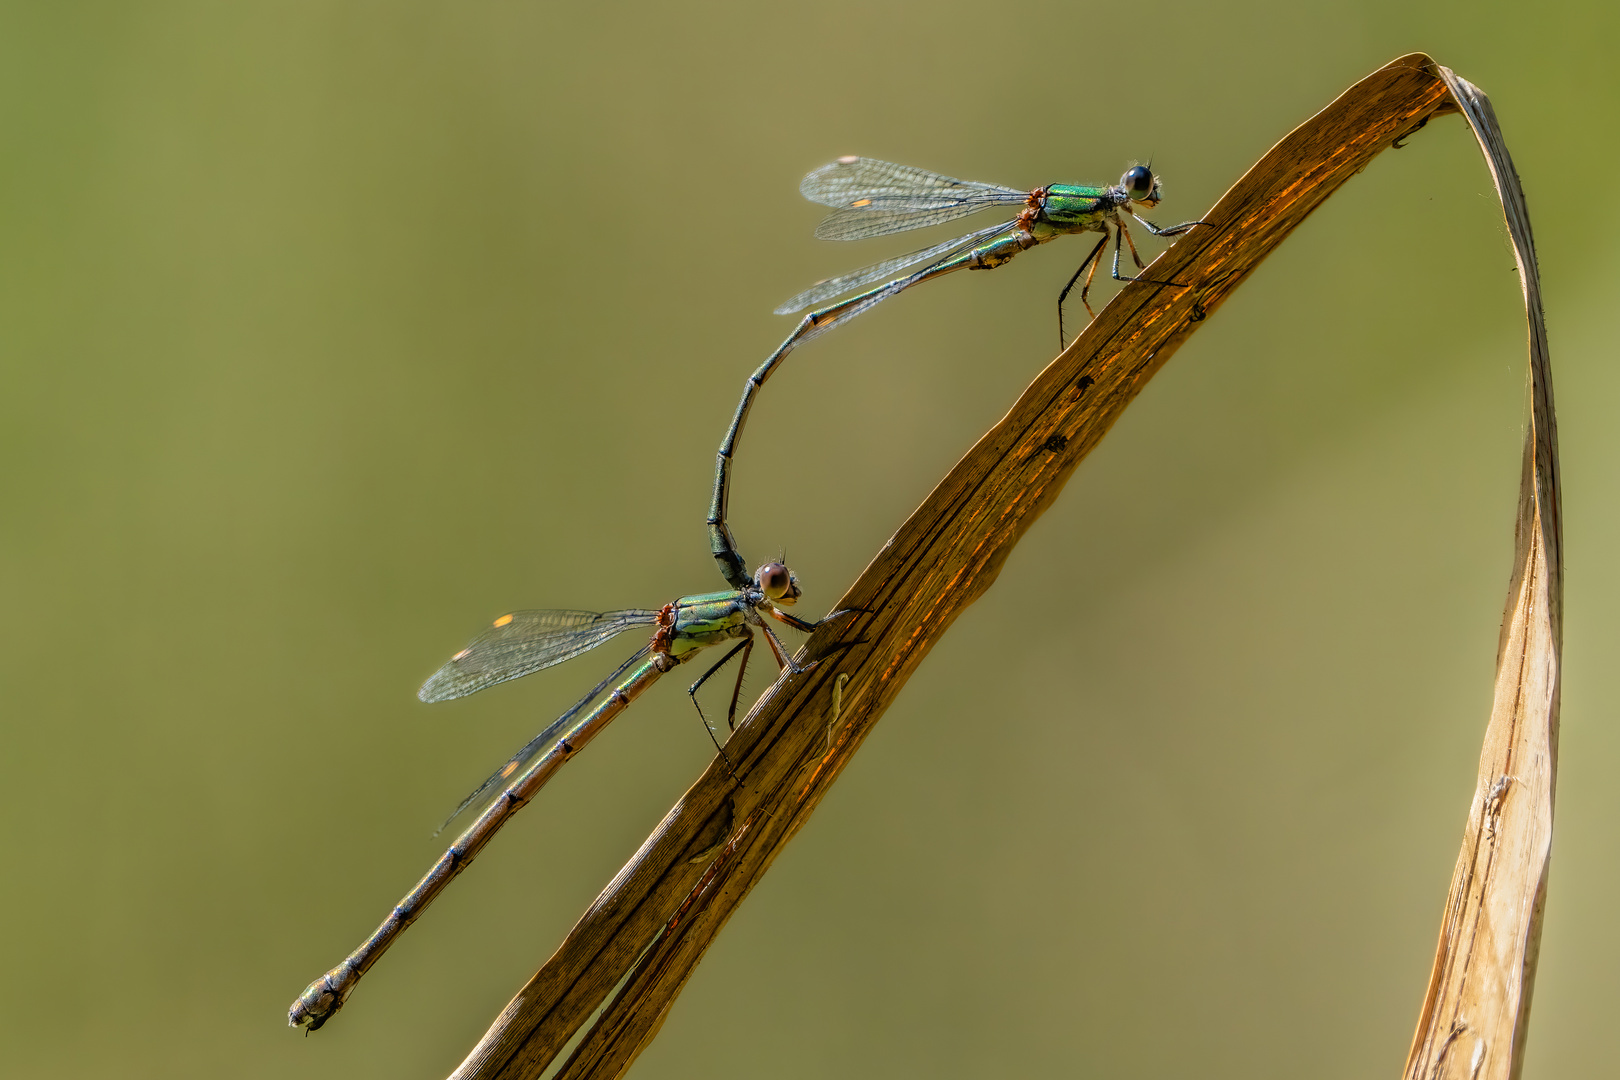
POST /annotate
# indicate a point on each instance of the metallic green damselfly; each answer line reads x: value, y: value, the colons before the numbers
x: 876, y: 198
x: 524, y: 642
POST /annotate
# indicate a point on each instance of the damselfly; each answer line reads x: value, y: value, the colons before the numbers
x: 876, y: 198
x: 528, y: 641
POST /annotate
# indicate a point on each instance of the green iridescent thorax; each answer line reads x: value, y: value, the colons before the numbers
x: 1074, y: 209
x: 707, y: 619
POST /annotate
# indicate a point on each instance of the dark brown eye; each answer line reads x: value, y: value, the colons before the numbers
x: 774, y: 580
x: 1137, y: 182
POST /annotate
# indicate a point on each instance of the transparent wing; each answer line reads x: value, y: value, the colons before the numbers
x: 542, y: 742
x: 863, y: 224
x: 851, y: 179
x: 837, y: 286
x: 525, y: 642
x: 875, y: 198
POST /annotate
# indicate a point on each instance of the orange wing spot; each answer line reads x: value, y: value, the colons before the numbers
x: 861, y: 202
x: 849, y: 160
x: 510, y: 765
x: 504, y: 620
x: 460, y: 656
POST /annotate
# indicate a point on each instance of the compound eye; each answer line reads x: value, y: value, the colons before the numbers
x: 1137, y: 182
x: 774, y: 580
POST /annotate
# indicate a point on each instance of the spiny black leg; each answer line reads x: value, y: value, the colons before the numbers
x: 783, y: 660
x: 735, y: 649
x: 736, y: 691
x: 811, y: 627
x: 798, y: 623
x: 693, y: 689
x: 1064, y: 295
x: 1121, y: 277
x: 1091, y: 276
x: 1174, y: 230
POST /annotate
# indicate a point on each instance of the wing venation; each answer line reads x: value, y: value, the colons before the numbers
x: 525, y: 642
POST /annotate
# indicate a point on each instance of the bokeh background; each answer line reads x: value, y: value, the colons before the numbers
x: 332, y: 329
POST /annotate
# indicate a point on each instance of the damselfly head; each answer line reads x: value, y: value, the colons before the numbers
x: 1141, y: 186
x: 779, y: 584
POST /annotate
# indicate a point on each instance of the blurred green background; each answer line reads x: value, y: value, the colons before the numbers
x: 333, y: 329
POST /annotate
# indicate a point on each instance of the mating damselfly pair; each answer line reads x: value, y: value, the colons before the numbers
x: 870, y: 198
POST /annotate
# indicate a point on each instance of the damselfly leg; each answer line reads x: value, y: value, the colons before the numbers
x: 1091, y: 261
x: 746, y: 647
